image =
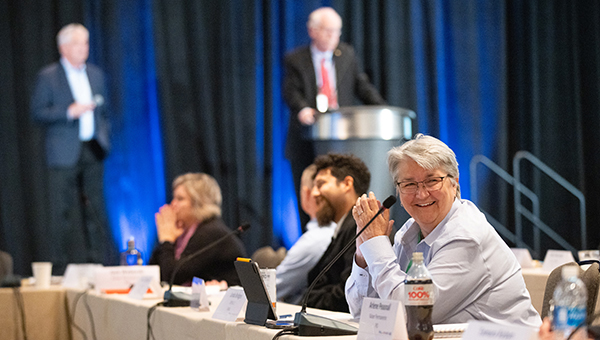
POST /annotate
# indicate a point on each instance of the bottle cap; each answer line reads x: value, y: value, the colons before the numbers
x: 417, y: 256
x: 570, y: 271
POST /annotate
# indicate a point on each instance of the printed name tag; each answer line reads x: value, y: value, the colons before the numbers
x: 484, y: 330
x: 523, y: 256
x: 120, y: 279
x: 382, y: 319
x: 556, y: 258
x: 140, y: 287
x: 231, y: 305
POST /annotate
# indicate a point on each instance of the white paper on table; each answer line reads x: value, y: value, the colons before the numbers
x: 382, y: 319
x: 231, y: 305
x: 485, y: 330
x: 556, y: 258
x: 523, y: 256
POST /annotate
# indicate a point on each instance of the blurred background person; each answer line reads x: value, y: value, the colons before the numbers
x: 328, y: 67
x: 67, y: 103
x: 191, y: 222
x: 292, y: 272
x: 340, y: 180
x: 475, y: 274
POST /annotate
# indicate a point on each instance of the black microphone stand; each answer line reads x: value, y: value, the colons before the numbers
x: 314, y: 325
x: 179, y: 299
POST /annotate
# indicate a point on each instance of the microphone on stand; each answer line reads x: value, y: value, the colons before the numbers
x: 180, y: 299
x: 314, y: 325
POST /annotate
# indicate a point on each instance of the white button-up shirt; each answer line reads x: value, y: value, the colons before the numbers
x: 82, y: 93
x: 475, y: 274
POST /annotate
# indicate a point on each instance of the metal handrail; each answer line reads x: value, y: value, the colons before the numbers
x: 520, y: 210
x: 558, y: 179
x: 517, y: 237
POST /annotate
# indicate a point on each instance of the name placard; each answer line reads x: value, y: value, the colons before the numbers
x: 80, y: 276
x: 231, y: 305
x: 382, y: 319
x: 556, y: 258
x: 140, y: 288
x: 199, y: 297
x: 484, y: 330
x: 120, y: 279
x: 523, y: 256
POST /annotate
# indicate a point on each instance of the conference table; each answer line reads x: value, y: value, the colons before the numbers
x: 120, y: 317
x: 45, y: 312
x: 117, y: 316
x: 535, y: 281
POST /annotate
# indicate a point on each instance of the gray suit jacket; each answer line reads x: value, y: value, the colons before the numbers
x: 49, y: 102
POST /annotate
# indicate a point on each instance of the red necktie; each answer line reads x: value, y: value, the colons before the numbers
x: 326, y: 87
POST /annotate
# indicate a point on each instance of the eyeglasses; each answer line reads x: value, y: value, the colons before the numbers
x: 430, y: 184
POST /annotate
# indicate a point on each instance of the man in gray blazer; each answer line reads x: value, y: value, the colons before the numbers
x: 68, y: 103
x: 307, y: 68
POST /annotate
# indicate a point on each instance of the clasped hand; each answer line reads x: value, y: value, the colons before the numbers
x: 166, y: 224
x: 365, y: 208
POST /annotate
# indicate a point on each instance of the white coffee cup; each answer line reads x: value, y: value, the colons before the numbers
x: 42, y: 272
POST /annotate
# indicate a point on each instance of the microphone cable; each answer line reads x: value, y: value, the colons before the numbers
x: 21, y: 310
x: 90, y: 316
x: 149, y: 333
x: 287, y: 331
x: 71, y: 317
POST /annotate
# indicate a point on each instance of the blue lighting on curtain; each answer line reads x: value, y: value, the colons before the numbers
x: 286, y: 223
x: 134, y: 175
x: 463, y: 104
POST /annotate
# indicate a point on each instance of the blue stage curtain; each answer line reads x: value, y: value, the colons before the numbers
x: 134, y: 179
x: 196, y: 86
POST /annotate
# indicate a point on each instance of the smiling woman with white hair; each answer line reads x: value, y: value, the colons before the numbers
x: 475, y: 274
x: 191, y: 222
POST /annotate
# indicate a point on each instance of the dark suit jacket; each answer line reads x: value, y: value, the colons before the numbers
x: 329, y: 292
x: 300, y: 87
x: 49, y: 102
x: 214, y: 264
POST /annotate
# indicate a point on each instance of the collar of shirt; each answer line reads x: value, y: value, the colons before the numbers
x: 339, y: 225
x: 410, y: 238
x: 70, y: 68
x: 317, y: 56
x: 183, y: 240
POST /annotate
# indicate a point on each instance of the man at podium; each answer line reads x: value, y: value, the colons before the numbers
x: 324, y: 75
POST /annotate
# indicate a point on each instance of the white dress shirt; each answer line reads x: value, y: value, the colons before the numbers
x: 475, y: 274
x: 317, y: 56
x: 292, y: 272
x: 82, y: 93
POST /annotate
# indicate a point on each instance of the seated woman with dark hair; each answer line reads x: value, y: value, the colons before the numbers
x: 191, y: 222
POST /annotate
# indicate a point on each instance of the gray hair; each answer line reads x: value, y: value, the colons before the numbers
x: 429, y: 152
x: 315, y: 18
x: 65, y: 33
x: 204, y: 192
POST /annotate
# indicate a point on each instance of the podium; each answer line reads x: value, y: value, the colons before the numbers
x: 367, y: 132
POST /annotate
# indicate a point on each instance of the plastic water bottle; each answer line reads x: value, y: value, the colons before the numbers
x: 419, y: 300
x: 131, y: 256
x: 568, y: 303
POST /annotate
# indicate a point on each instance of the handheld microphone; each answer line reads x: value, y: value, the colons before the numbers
x: 178, y: 299
x: 98, y: 100
x: 313, y: 325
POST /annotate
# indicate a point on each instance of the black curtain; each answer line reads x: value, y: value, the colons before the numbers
x: 206, y: 66
x: 27, y: 36
x: 488, y: 78
x: 554, y: 104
